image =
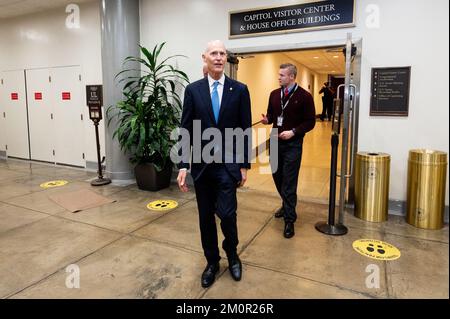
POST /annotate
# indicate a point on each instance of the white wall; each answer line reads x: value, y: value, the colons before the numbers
x: 42, y: 40
x: 411, y: 33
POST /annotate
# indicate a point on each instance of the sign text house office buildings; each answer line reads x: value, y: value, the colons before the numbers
x: 294, y: 18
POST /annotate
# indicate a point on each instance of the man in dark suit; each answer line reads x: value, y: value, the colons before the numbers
x: 216, y: 104
x: 291, y: 110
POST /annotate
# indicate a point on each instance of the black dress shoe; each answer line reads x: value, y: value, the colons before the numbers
x: 289, y: 230
x: 209, y: 274
x: 235, y: 267
x: 279, y: 213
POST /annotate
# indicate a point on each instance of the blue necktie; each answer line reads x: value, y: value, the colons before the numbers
x: 215, y: 101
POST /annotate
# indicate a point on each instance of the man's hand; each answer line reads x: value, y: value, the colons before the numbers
x: 181, y: 179
x: 264, y: 119
x: 285, y: 135
x: 244, y: 176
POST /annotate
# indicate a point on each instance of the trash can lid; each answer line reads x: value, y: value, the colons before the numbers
x: 426, y: 156
x: 373, y: 156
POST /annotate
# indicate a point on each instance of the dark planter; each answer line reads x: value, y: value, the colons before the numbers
x: 149, y: 179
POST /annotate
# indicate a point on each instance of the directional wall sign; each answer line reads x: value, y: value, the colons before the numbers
x: 390, y: 91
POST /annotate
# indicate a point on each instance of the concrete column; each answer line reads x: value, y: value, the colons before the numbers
x: 120, y: 32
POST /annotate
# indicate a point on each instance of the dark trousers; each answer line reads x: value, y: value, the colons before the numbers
x: 329, y: 107
x: 324, y: 109
x: 216, y: 193
x: 286, y: 175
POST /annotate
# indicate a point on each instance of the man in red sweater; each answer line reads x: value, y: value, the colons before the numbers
x: 291, y: 110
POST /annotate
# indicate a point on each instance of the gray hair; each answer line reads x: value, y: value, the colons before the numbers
x: 214, y: 43
x: 292, y: 68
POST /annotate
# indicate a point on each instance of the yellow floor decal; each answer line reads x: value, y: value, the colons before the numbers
x: 53, y: 184
x: 376, y: 249
x: 161, y: 205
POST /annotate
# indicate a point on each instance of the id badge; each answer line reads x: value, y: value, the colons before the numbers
x: 279, y: 121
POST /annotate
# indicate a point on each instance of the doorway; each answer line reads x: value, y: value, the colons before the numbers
x: 316, y: 64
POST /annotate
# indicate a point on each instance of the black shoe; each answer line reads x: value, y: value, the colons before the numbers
x: 209, y: 274
x: 279, y: 213
x: 235, y: 267
x: 289, y: 230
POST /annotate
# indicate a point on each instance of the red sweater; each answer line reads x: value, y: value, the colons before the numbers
x: 300, y: 112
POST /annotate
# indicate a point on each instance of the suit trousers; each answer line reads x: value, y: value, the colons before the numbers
x: 329, y: 106
x: 285, y: 175
x: 216, y: 194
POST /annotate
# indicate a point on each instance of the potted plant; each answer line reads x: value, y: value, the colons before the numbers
x: 146, y: 116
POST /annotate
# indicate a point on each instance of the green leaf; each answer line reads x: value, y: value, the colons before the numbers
x: 150, y: 107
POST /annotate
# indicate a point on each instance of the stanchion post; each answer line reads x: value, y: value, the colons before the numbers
x: 330, y: 228
x: 94, y: 99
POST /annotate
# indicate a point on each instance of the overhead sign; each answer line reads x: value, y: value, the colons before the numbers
x: 293, y: 18
x: 390, y: 91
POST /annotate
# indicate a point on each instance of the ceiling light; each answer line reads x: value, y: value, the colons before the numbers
x: 316, y: 57
x: 335, y: 56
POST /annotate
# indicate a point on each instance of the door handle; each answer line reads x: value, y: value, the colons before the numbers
x: 338, y: 90
x: 336, y: 118
x: 352, y: 126
x: 352, y: 94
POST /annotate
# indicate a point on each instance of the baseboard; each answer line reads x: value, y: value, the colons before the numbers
x: 92, y: 166
x: 398, y: 207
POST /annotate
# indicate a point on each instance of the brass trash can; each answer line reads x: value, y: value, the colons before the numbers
x: 425, y: 203
x: 372, y: 186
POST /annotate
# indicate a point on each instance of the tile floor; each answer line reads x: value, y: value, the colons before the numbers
x: 124, y: 250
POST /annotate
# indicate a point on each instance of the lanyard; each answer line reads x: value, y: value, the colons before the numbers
x: 283, y: 106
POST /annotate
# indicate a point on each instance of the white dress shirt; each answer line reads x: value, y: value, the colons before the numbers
x: 219, y: 87
x: 219, y: 91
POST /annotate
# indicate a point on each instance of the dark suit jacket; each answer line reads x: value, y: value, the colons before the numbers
x: 234, y: 113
